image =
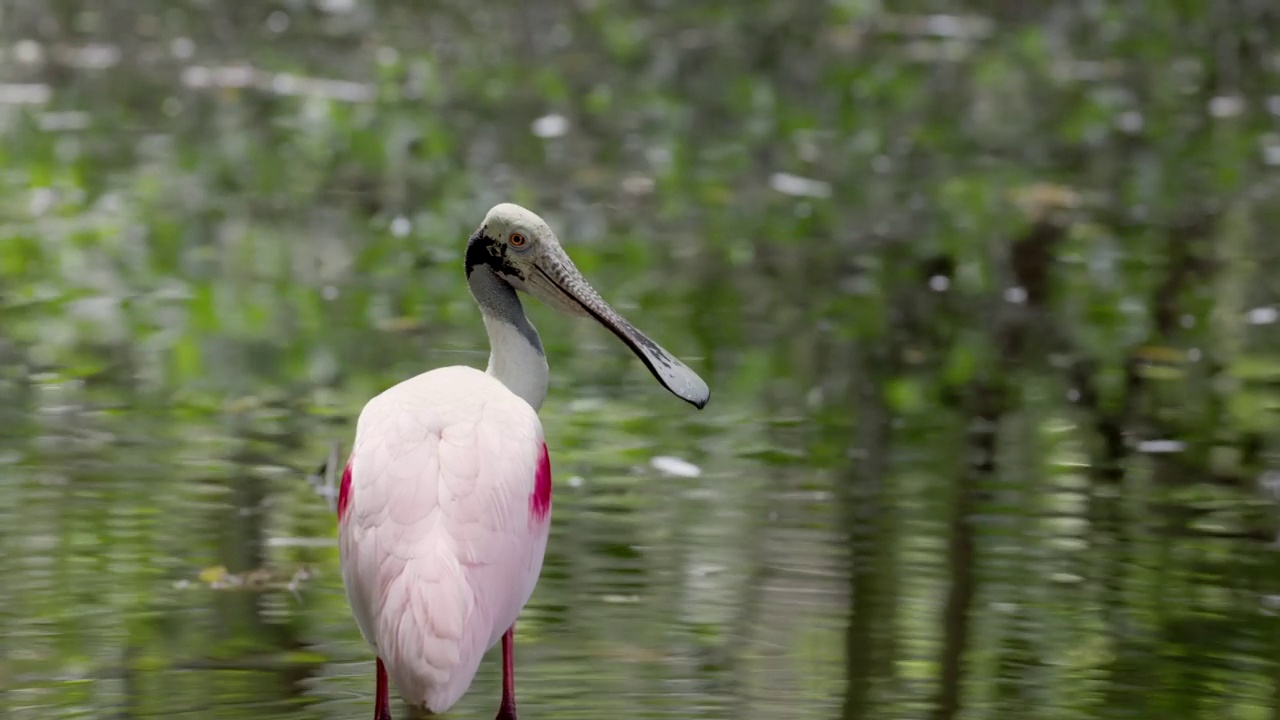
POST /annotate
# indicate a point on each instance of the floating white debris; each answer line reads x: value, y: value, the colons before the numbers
x: 400, y: 227
x: 1161, y: 447
x: 955, y: 26
x: 64, y: 120
x: 675, y: 467
x: 551, y: 126
x: 637, y: 185
x: 1265, y: 315
x: 277, y: 22
x: 1130, y: 122
x: 225, y: 76
x: 814, y: 397
x: 337, y: 7
x: 1271, y: 151
x: 1081, y: 70
x: 182, y: 48
x: 1270, y: 482
x: 699, y: 570
x: 959, y: 27
x: 789, y: 184
x: 938, y: 51
x: 287, y: 84
x: 1016, y: 295
x: 110, y: 203
x: 42, y: 200
x: 939, y: 283
x: 344, y: 90
x: 658, y: 157
x: 24, y: 93
x: 28, y: 52
x: 94, y: 56
x: 1132, y: 306
x: 576, y: 481
x: 388, y: 56
x: 1226, y: 106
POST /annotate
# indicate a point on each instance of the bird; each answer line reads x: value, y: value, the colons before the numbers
x: 444, y: 506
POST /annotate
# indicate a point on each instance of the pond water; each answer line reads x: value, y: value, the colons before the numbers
x: 987, y: 297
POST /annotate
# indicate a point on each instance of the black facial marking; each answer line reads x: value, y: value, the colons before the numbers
x: 484, y: 250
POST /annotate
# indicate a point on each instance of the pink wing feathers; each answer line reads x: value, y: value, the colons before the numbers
x: 444, y: 526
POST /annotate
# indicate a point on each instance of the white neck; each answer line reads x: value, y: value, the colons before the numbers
x: 515, y: 362
x: 515, y: 350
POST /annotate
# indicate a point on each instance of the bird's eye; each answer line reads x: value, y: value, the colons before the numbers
x: 518, y: 240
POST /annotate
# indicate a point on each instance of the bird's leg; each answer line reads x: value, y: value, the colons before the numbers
x: 507, y: 710
x: 382, y: 703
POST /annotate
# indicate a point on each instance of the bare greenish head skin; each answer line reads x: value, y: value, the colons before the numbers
x: 521, y: 249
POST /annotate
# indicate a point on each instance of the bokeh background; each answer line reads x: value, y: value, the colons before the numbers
x: 987, y: 293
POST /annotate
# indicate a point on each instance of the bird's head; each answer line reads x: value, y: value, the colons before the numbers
x: 520, y: 249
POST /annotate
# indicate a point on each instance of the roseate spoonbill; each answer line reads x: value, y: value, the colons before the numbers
x: 445, y: 502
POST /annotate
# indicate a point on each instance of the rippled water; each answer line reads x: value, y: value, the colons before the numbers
x: 986, y: 300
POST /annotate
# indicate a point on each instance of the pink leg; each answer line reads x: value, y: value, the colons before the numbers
x: 507, y: 710
x: 382, y: 703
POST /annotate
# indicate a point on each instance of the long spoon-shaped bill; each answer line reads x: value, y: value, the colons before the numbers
x: 558, y: 283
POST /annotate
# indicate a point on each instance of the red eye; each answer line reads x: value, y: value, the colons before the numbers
x: 518, y: 240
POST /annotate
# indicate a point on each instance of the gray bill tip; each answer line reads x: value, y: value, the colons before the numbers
x: 698, y: 393
x: 685, y: 384
x: 674, y: 375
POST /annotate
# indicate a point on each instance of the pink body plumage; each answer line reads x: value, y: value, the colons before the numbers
x: 444, y: 513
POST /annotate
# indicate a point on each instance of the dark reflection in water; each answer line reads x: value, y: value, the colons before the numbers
x: 987, y: 297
